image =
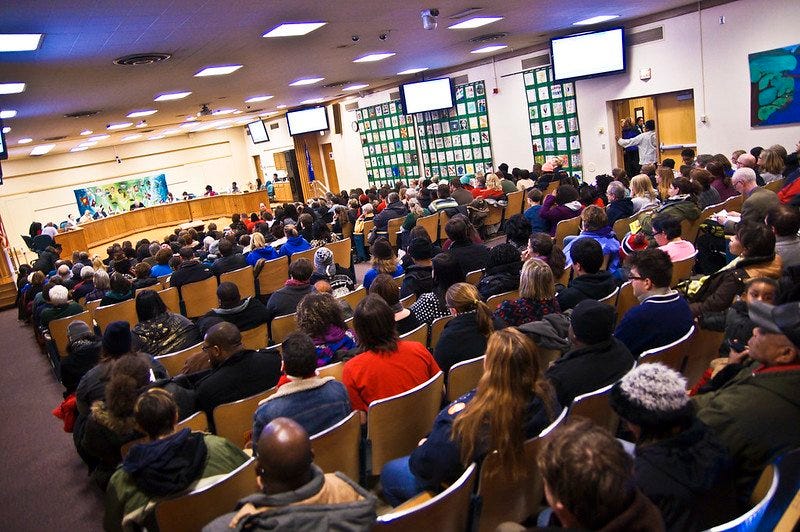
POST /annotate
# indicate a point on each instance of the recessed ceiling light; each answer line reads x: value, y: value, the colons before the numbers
x: 131, y: 137
x: 490, y: 48
x: 223, y: 112
x: 97, y: 138
x: 238, y: 112
x: 121, y: 125
x: 155, y: 137
x: 281, y: 106
x: 221, y: 70
x: 594, y: 20
x: 80, y: 148
x: 257, y: 99
x: 139, y: 114
x: 6, y: 129
x: 475, y: 22
x: 305, y: 81
x: 293, y: 29
x: 171, y: 96
x: 19, y: 42
x: 11, y: 88
x: 369, y: 58
x: 26, y: 140
x: 42, y: 149
x: 311, y: 100
x: 8, y: 113
x: 190, y: 118
x: 412, y: 71
x: 355, y: 87
x: 86, y: 132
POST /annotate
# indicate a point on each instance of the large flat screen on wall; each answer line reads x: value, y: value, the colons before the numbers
x: 429, y: 95
x: 307, y: 120
x: 258, y: 132
x: 584, y: 55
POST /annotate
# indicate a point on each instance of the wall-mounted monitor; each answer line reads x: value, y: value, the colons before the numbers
x: 429, y: 95
x: 258, y: 132
x: 3, y: 145
x: 594, y: 53
x: 307, y: 120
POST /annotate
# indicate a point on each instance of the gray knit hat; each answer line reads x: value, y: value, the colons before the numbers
x: 651, y: 395
x: 323, y: 261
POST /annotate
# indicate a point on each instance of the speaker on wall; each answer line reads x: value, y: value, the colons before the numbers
x: 337, y: 118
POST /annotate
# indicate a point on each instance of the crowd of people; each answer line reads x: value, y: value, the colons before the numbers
x: 689, y: 460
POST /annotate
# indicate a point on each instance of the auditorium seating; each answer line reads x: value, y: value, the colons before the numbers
x: 234, y: 420
x: 565, y: 228
x: 494, y: 301
x: 243, y: 279
x: 420, y: 334
x: 437, y: 326
x: 474, y: 277
x: 174, y: 362
x: 464, y: 376
x: 337, y: 448
x: 672, y: 355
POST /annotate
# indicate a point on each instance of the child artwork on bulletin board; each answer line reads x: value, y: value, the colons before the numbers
x: 388, y: 143
x: 118, y: 197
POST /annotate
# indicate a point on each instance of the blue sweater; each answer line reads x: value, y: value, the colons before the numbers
x: 293, y: 245
x: 656, y: 322
x: 372, y: 273
x: 160, y: 269
x: 538, y: 224
x: 608, y: 241
x: 266, y: 253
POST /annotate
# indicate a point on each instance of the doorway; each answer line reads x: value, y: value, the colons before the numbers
x: 330, y: 167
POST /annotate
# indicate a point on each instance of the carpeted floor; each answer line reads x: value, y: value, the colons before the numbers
x: 44, y: 482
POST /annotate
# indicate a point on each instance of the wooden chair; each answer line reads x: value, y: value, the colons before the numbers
x: 443, y: 218
x: 332, y: 370
x: 58, y: 330
x: 704, y: 348
x: 420, y: 334
x: 398, y: 281
x: 174, y: 362
x: 307, y: 254
x: 396, y: 424
x: 409, y: 300
x: 394, y: 230
x: 514, y: 206
x: 623, y: 226
x: 243, y: 279
x: 610, y: 299
x: 199, y: 297
x: 273, y: 276
x: 689, y: 229
x: 448, y: 511
x: 154, y: 287
x: 354, y: 297
x: 337, y: 448
x: 194, y: 510
x: 349, y: 322
x: 495, y: 215
x: 123, y: 311
x: 474, y: 277
x: 464, y: 377
x: 347, y: 230
x: 706, y: 213
x: 171, y: 299
x: 437, y: 326
x: 255, y: 338
x: 552, y: 187
x: 774, y: 186
x: 281, y: 327
x: 431, y: 225
x: 369, y: 225
x: 91, y: 306
x: 734, y: 203
x: 596, y: 406
x: 164, y: 280
x: 234, y: 420
x: 494, y: 301
x: 341, y: 250
x: 566, y: 228
x: 547, y: 357
x: 564, y: 279
x: 672, y: 355
x: 682, y: 269
x: 625, y: 300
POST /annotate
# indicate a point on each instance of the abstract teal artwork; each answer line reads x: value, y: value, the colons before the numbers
x: 775, y: 86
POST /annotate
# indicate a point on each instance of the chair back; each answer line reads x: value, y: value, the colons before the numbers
x: 197, y: 422
x: 396, y: 424
x: 122, y: 311
x: 255, y: 338
x: 273, y: 276
x: 566, y: 228
x: 92, y: 305
x: 774, y: 186
x: 552, y: 187
x: 446, y: 512
x: 398, y: 281
x: 704, y: 348
x: 195, y: 510
x: 596, y: 406
x: 623, y: 225
x: 420, y: 334
x: 307, y: 254
x: 341, y: 252
x: 464, y: 377
x: 164, y: 280
x: 171, y: 299
x: 347, y: 230
x: 437, y: 326
x: 734, y: 203
x: 672, y: 355
x: 626, y: 300
x: 199, y: 297
x: 763, y: 494
x: 494, y: 301
x: 514, y: 205
x: 369, y: 225
x: 495, y: 215
x: 394, y: 230
x: 474, y: 277
x: 354, y: 297
x: 337, y: 448
x: 689, y: 229
x: 243, y: 279
x: 610, y: 299
x: 154, y: 287
x: 409, y: 300
x: 547, y: 357
x: 281, y: 327
x: 706, y: 213
x: 174, y: 362
x: 564, y: 279
x: 58, y: 329
x: 431, y: 225
x: 234, y: 420
x: 334, y: 370
x: 682, y: 269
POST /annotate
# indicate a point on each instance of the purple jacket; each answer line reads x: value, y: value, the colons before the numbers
x: 554, y: 213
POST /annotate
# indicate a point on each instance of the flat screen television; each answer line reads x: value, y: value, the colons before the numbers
x: 583, y: 55
x: 3, y: 145
x: 258, y: 132
x: 307, y: 120
x: 429, y: 95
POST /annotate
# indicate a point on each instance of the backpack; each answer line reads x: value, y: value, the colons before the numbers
x: 711, y: 248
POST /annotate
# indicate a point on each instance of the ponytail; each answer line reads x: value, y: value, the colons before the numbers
x: 464, y: 297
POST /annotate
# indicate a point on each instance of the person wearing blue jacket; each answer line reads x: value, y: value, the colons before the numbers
x: 594, y: 224
x: 294, y: 242
x: 260, y: 250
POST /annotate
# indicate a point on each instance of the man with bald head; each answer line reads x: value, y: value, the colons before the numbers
x: 235, y: 372
x: 295, y: 494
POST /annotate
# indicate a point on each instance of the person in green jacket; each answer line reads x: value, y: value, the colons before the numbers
x: 169, y: 463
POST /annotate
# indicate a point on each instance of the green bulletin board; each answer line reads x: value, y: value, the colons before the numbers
x: 388, y: 143
x: 553, y: 115
x: 456, y: 141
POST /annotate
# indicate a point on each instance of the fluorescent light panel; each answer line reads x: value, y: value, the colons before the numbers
x: 79, y: 148
x: 305, y: 81
x: 356, y: 86
x: 475, y: 22
x: 121, y: 125
x: 370, y: 58
x: 171, y: 96
x: 221, y: 70
x: 490, y: 48
x: 25, y: 140
x: 98, y: 138
x: 6, y: 129
x: 311, y: 100
x: 42, y: 149
x: 155, y: 137
x: 86, y: 132
x: 281, y: 106
x: 595, y: 20
x: 138, y: 114
x: 11, y: 88
x: 412, y: 71
x: 88, y: 143
x: 8, y: 113
x: 255, y: 99
x: 19, y: 42
x: 131, y: 137
x: 293, y: 29
x: 219, y: 112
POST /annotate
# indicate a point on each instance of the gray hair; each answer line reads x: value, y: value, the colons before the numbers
x: 617, y: 189
x: 744, y: 175
x: 102, y: 280
x: 393, y: 197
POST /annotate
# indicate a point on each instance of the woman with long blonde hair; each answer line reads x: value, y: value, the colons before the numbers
x: 664, y: 178
x: 643, y: 194
x: 511, y: 404
x: 537, y: 293
x: 465, y: 335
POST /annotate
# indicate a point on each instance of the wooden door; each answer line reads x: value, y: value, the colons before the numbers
x: 675, y: 124
x: 330, y: 167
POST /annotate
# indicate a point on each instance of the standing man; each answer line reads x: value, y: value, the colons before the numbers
x: 645, y: 142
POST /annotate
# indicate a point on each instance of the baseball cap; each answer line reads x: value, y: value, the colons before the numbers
x: 779, y: 319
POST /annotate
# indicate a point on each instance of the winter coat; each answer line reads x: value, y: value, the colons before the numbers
x: 469, y: 256
x: 587, y: 286
x: 499, y: 279
x: 285, y: 300
x: 418, y: 280
x: 164, y: 334
x: 266, y: 253
x: 248, y: 314
x: 708, y: 197
x: 551, y: 332
x: 228, y: 264
x: 392, y: 210
x: 618, y: 209
x: 189, y: 272
x: 82, y: 355
x: 608, y: 242
x: 553, y: 213
x: 682, y: 207
x: 332, y: 344
x: 460, y: 340
x: 293, y: 245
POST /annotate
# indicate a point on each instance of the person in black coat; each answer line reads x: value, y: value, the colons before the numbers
x: 467, y: 254
x: 229, y: 260
x: 502, y: 271
x: 83, y: 353
x: 394, y: 209
x: 419, y: 275
x: 246, y: 313
x: 588, y: 281
x: 619, y: 205
x: 190, y: 269
x: 596, y: 359
x: 285, y: 300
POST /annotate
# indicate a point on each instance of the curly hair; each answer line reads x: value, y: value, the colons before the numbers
x: 317, y: 312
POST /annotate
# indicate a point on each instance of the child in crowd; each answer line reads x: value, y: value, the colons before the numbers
x: 538, y: 224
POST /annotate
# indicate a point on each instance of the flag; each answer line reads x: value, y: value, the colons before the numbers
x: 309, y: 166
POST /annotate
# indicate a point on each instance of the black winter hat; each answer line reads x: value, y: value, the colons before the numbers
x: 420, y: 249
x: 592, y: 321
x: 117, y: 338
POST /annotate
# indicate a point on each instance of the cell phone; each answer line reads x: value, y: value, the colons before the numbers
x: 737, y: 345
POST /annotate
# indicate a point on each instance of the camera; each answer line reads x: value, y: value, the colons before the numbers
x: 355, y: 38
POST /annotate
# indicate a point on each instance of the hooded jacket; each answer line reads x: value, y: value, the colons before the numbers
x: 499, y: 279
x: 551, y: 332
x: 248, y: 314
x: 83, y: 355
x: 460, y: 340
x: 608, y: 242
x: 418, y: 280
x: 391, y: 211
x: 293, y: 245
x: 587, y: 286
x: 553, y: 213
x: 266, y: 253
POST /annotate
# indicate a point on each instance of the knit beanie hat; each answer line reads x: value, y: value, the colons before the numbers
x: 466, y: 178
x: 323, y: 260
x: 77, y: 330
x: 651, y: 395
x: 59, y: 295
x: 631, y: 243
x: 381, y: 249
x: 592, y: 321
x: 420, y: 249
x: 503, y: 254
x: 117, y: 338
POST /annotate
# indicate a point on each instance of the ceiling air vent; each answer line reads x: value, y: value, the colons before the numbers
x: 489, y: 37
x: 536, y: 61
x: 335, y: 84
x: 82, y: 114
x: 461, y: 80
x: 54, y: 139
x: 394, y: 95
x: 141, y: 59
x: 351, y: 106
x: 274, y: 126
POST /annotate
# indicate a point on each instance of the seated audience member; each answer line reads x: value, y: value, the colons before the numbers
x: 246, y: 313
x: 750, y: 403
x: 525, y: 183
x: 754, y: 247
x: 383, y: 261
x: 619, y: 205
x: 466, y: 253
x: 259, y: 250
x: 721, y: 180
x: 758, y: 201
x: 294, y: 493
x: 64, y: 272
x: 459, y: 192
x: 394, y: 209
x: 236, y: 372
x: 444, y: 201
x: 321, y: 235
x: 152, y: 250
x: 316, y: 403
x: 83, y: 353
x: 596, y: 359
x: 167, y: 464
x: 562, y: 205
x: 588, y: 280
x: 323, y: 287
x: 60, y: 306
x: 367, y: 214
x: 160, y: 331
x: 771, y: 163
x: 83, y: 288
x: 228, y: 260
x: 518, y: 231
x: 190, y: 269
x: 143, y: 278
x: 465, y: 336
x: 709, y: 194
x: 446, y: 273
x: 511, y: 403
x: 490, y: 186
x: 387, y: 366
x: 320, y: 317
x: 667, y: 234
x: 325, y: 269
x: 663, y: 315
x: 161, y: 267
x: 542, y: 246
x: 784, y: 221
x: 643, y: 195
x: 594, y: 225
x: 502, y: 271
x: 121, y: 290
x: 537, y: 296
x: 680, y: 464
x: 419, y: 275
x: 385, y: 287
x: 534, y: 201
x: 285, y: 300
